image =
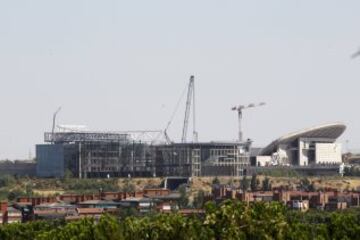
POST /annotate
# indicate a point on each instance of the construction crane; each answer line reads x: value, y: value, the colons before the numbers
x: 165, y: 132
x: 356, y: 54
x: 239, y: 109
x: 190, y: 99
x: 54, y: 121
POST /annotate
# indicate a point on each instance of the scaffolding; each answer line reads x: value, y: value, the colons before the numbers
x: 64, y: 137
x: 109, y: 154
x: 202, y: 159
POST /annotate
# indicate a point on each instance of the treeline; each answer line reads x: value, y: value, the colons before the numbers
x: 13, y: 187
x: 230, y: 220
x: 353, y: 171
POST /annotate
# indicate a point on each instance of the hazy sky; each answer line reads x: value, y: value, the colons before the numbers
x: 122, y: 65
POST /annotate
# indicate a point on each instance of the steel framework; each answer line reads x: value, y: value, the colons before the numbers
x: 152, y: 136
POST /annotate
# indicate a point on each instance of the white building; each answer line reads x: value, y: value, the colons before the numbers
x: 312, y: 146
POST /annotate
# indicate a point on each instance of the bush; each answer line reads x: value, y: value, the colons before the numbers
x: 229, y: 220
x: 7, y: 180
x: 91, y: 185
x: 216, y: 180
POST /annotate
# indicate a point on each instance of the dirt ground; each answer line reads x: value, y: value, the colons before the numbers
x: 205, y: 183
x: 340, y: 183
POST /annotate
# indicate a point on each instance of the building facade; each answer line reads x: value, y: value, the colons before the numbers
x: 313, y: 146
x: 202, y: 159
x: 108, y: 155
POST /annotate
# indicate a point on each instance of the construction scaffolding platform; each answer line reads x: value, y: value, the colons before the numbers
x: 66, y: 137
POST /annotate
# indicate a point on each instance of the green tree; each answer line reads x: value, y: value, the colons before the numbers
x: 227, y: 220
x: 128, y: 212
x: 13, y: 195
x: 68, y: 175
x: 230, y: 182
x: 128, y: 186
x: 28, y: 190
x: 7, y: 181
x: 183, y: 199
x: 215, y: 180
x: 254, y: 183
x: 306, y: 185
x: 266, y: 184
x: 199, y: 199
x: 244, y: 183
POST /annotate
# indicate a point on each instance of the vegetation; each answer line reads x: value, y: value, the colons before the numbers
x: 199, y: 199
x: 6, y: 181
x: 353, y: 171
x: 216, y: 180
x: 244, y: 183
x: 184, y: 198
x: 278, y: 172
x: 254, y: 183
x: 90, y: 185
x: 306, y: 185
x: 12, y: 187
x: 266, y: 184
x: 127, y: 186
x: 229, y: 220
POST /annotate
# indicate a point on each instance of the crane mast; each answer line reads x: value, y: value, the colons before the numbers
x: 239, y: 110
x: 195, y: 133
x: 189, y: 100
x: 54, y: 121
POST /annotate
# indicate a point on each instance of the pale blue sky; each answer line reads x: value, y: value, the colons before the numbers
x: 118, y: 65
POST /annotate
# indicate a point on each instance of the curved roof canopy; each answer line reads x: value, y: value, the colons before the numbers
x: 329, y: 131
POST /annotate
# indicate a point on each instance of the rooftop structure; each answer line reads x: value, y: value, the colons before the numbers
x: 315, y: 145
x: 73, y: 136
x: 330, y: 132
x: 65, y: 137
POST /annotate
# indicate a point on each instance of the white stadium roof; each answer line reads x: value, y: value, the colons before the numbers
x: 329, y: 131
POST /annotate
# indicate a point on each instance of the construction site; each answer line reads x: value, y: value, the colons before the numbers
x: 89, y: 154
x: 73, y: 149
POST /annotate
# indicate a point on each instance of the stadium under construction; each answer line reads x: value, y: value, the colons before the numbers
x: 89, y: 154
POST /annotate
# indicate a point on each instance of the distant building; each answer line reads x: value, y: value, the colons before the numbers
x: 202, y: 159
x: 103, y: 154
x: 313, y: 146
x: 18, y: 168
x: 93, y: 154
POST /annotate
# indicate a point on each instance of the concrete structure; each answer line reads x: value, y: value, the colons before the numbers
x: 263, y: 161
x: 18, y: 168
x: 202, y: 159
x: 93, y: 154
x: 104, y: 154
x: 312, y: 146
x: 54, y: 159
x: 301, y: 200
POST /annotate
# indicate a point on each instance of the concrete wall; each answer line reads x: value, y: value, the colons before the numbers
x: 262, y: 161
x: 50, y: 160
x: 328, y: 153
x: 303, y: 153
x: 19, y: 168
x: 284, y: 156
